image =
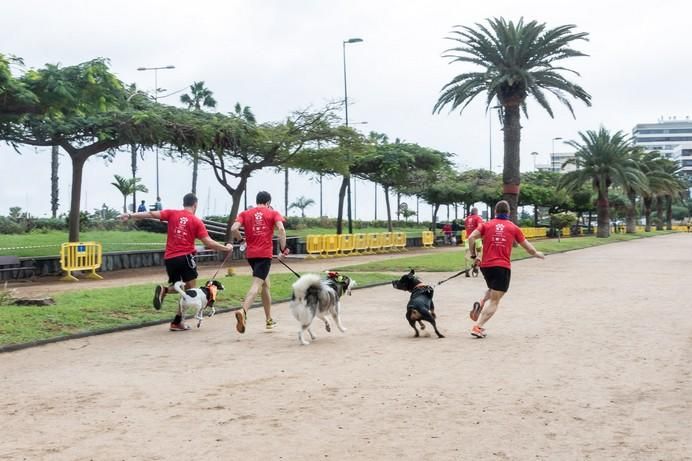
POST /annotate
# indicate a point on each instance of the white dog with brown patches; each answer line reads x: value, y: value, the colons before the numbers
x: 315, y: 297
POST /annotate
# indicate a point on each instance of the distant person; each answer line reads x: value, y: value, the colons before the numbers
x: 471, y: 222
x: 158, y: 206
x: 183, y: 228
x: 447, y: 230
x: 456, y: 228
x: 259, y: 223
x: 142, y: 207
x: 499, y: 235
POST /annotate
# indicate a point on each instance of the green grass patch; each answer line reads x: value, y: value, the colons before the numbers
x: 50, y: 241
x: 453, y: 260
x: 103, y: 308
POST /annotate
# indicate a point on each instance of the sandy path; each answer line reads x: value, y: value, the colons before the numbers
x: 589, y: 358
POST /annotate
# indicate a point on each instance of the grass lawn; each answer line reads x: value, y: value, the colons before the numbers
x: 453, y: 260
x: 98, y: 309
x: 49, y: 242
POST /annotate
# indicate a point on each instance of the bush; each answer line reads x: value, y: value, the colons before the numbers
x: 9, y: 226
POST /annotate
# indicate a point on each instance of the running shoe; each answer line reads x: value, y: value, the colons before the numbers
x: 241, y: 318
x: 179, y: 327
x: 159, y: 293
x: 478, y: 332
x: 270, y: 324
x: 475, y: 311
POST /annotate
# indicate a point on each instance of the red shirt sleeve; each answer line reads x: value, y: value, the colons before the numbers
x: 481, y: 228
x: 518, y: 234
x: 164, y: 215
x: 201, y: 230
x: 240, y: 218
x: 278, y: 217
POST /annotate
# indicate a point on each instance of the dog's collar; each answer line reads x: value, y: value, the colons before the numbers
x: 420, y: 285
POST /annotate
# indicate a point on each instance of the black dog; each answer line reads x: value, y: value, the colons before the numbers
x: 420, y: 305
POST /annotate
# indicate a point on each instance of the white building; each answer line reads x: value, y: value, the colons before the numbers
x: 672, y: 138
x: 557, y: 162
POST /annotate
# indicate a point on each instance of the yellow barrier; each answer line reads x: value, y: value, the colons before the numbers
x: 331, y: 244
x: 399, y: 240
x: 428, y: 239
x: 681, y: 228
x: 535, y: 232
x: 80, y: 256
x: 375, y: 242
x: 314, y: 245
x: 346, y: 244
x: 387, y: 241
x: 360, y: 244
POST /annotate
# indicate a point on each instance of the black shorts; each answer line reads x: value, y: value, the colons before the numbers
x: 260, y: 267
x: 497, y: 278
x: 181, y: 268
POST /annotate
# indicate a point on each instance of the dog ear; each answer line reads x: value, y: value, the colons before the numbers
x: 412, y: 272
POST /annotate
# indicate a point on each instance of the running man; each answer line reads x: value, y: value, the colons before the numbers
x: 472, y: 222
x: 259, y: 223
x: 183, y: 228
x: 498, y: 234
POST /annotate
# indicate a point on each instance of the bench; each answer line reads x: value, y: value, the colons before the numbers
x: 12, y: 264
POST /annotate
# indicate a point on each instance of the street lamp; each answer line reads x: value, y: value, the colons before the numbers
x: 348, y: 184
x: 552, y: 156
x: 156, y: 99
x: 534, y: 154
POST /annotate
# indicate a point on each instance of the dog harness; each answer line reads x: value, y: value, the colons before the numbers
x: 212, y: 294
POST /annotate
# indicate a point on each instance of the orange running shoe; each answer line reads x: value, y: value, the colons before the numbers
x: 240, y: 317
x: 478, y: 332
x: 475, y: 311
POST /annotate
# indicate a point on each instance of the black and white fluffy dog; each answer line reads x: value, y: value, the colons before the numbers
x: 420, y: 305
x: 198, y: 298
x: 314, y: 296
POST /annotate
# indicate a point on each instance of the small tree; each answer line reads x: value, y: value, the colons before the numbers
x: 561, y: 220
x: 302, y: 203
x: 128, y: 186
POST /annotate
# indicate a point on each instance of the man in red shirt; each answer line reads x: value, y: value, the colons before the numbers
x: 499, y: 235
x: 259, y: 223
x: 471, y: 222
x: 183, y: 228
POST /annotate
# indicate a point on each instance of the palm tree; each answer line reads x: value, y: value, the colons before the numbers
x: 603, y: 159
x: 302, y: 203
x: 54, y: 165
x: 517, y: 61
x: 632, y: 190
x: 128, y: 186
x: 654, y: 167
x: 199, y: 97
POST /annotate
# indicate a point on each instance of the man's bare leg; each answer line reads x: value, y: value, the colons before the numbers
x: 249, y: 299
x: 492, y: 306
x: 267, y: 299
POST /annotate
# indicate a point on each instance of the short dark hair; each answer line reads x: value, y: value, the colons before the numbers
x: 190, y: 199
x: 263, y: 197
x: 502, y: 207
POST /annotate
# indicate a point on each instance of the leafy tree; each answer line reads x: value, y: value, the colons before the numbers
x: 127, y: 187
x: 302, y: 203
x: 200, y: 96
x: 539, y: 190
x: 561, y: 220
x: 603, y: 159
x: 517, y: 60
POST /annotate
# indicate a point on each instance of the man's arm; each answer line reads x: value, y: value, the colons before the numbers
x: 235, y: 231
x: 475, y: 235
x: 282, y: 236
x: 214, y: 245
x: 140, y: 215
x: 530, y: 249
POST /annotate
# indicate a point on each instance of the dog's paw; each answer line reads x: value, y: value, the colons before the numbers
x: 327, y: 327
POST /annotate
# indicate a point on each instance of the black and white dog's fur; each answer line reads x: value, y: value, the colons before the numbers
x: 313, y: 296
x: 420, y: 305
x: 197, y: 298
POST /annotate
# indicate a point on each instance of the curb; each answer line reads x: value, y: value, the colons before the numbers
x: 86, y: 334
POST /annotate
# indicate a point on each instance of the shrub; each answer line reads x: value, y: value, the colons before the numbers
x: 9, y: 226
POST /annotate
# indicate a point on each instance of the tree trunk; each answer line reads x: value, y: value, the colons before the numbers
x: 125, y: 203
x: 133, y: 165
x: 286, y: 191
x: 631, y: 213
x: 535, y: 216
x: 54, y: 164
x: 436, y: 207
x: 195, y: 170
x: 589, y: 226
x: 236, y: 196
x: 603, y: 215
x: 669, y: 212
x: 510, y: 173
x: 647, y: 214
x: 389, y: 211
x: 77, y: 172
x: 659, y: 213
x: 398, y: 208
x: 340, y: 211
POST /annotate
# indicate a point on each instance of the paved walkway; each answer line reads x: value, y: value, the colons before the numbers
x: 588, y: 359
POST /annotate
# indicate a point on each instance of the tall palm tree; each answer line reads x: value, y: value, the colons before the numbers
x: 199, y: 97
x: 128, y: 186
x: 603, y: 159
x: 634, y: 189
x: 654, y: 167
x: 517, y: 60
x: 302, y: 203
x: 54, y: 165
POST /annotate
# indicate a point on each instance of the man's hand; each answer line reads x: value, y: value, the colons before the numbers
x: 125, y: 216
x: 228, y: 247
x: 283, y: 253
x: 539, y: 255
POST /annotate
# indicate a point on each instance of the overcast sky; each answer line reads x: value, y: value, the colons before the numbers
x: 279, y: 56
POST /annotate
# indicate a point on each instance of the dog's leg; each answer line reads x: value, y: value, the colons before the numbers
x: 336, y: 315
x: 422, y: 326
x: 427, y: 316
x: 412, y: 322
x: 327, y: 326
x: 301, y: 337
x: 312, y: 335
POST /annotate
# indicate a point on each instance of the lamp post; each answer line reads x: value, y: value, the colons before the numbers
x: 534, y: 154
x: 348, y: 183
x: 156, y: 99
x: 552, y: 156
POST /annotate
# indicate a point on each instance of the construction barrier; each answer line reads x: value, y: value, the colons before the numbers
x: 374, y: 243
x: 428, y: 239
x: 535, y: 232
x: 80, y: 256
x: 346, y: 244
x: 331, y: 245
x: 387, y: 241
x: 399, y: 240
x: 314, y: 245
x: 360, y: 243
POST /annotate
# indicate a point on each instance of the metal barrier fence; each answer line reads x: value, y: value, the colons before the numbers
x: 428, y: 238
x: 322, y: 246
x: 80, y: 256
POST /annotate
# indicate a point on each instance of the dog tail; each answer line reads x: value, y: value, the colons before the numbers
x: 180, y: 288
x: 303, y: 285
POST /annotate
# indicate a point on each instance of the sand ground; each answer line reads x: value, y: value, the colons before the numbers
x: 589, y: 358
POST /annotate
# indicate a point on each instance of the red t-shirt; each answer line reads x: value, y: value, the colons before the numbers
x: 183, y: 228
x: 259, y: 225
x: 498, y: 237
x: 471, y: 222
